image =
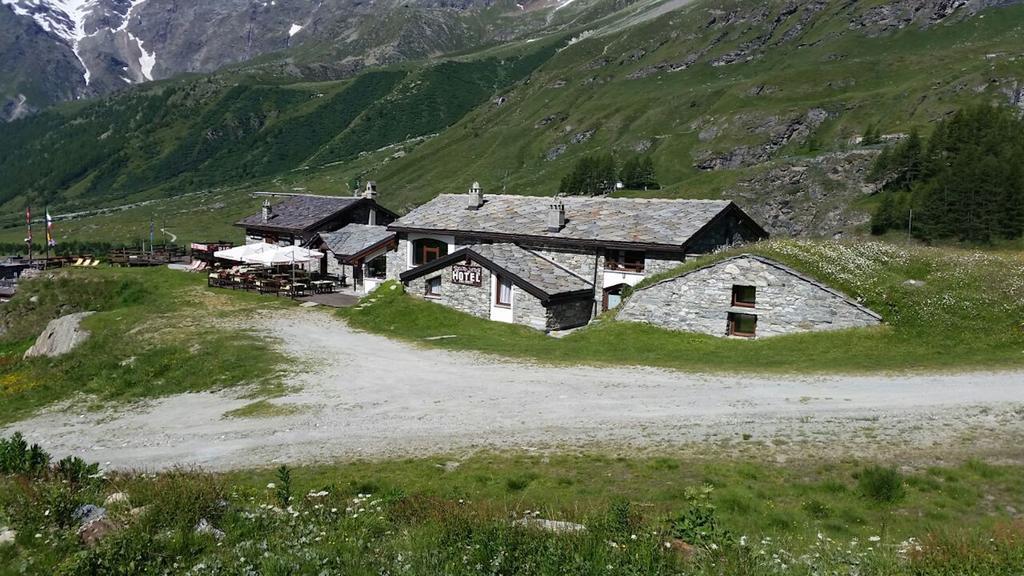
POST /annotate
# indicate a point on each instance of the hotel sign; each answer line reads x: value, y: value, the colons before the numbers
x: 467, y: 275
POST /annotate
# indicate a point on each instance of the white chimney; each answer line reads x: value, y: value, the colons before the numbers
x: 476, y: 197
x: 556, y: 217
x: 370, y: 192
x: 267, y: 211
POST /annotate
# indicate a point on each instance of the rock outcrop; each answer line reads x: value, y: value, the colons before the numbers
x: 60, y: 337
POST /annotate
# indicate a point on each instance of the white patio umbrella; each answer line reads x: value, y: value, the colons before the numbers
x: 287, y: 255
x: 284, y: 255
x: 245, y: 252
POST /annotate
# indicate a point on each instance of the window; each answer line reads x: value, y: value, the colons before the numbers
x: 613, y: 297
x: 742, y: 325
x: 744, y: 296
x: 503, y: 292
x: 378, y: 267
x: 624, y: 260
x: 433, y: 286
x: 427, y: 250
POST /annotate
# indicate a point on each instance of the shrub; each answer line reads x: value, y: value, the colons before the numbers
x: 17, y: 457
x: 880, y: 485
x: 283, y: 489
x: 181, y: 498
x: 76, y: 472
x: 698, y: 524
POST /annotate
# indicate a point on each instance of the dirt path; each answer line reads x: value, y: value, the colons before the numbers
x: 367, y: 396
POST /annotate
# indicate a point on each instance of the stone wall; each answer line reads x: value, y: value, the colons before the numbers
x: 579, y: 261
x: 398, y: 259
x: 528, y: 310
x: 337, y: 268
x: 658, y: 262
x: 569, y: 314
x: 785, y: 303
x: 475, y: 300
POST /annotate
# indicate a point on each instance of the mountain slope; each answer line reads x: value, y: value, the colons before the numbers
x: 114, y: 44
x: 210, y: 132
x: 753, y: 101
x: 757, y: 101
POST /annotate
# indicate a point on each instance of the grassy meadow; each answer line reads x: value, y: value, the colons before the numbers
x: 965, y: 311
x: 640, y: 516
x: 155, y: 332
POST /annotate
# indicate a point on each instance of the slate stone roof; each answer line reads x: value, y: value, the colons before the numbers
x: 527, y: 265
x: 355, y: 238
x: 530, y: 271
x: 625, y: 220
x: 299, y: 213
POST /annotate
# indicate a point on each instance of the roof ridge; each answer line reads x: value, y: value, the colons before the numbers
x: 613, y: 198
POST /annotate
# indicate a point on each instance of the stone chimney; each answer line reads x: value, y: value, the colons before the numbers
x: 267, y: 210
x: 556, y: 216
x: 476, y: 197
x: 370, y: 192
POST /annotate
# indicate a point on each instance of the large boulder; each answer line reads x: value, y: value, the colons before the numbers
x: 60, y: 337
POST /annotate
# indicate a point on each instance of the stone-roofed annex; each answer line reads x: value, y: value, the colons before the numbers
x: 355, y: 239
x: 537, y: 275
x: 745, y: 295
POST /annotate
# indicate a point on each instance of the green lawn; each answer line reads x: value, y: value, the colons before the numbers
x: 156, y: 332
x: 435, y: 516
x: 968, y: 314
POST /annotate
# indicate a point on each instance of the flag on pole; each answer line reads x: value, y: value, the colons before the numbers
x: 28, y: 224
x: 50, y: 240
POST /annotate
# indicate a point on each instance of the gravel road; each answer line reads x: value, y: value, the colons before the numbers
x: 364, y: 396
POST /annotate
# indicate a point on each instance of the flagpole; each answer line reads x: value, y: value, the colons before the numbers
x: 47, y: 260
x: 28, y: 222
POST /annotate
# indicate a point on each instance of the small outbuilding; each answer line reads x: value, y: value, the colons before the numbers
x: 745, y: 296
x: 359, y: 252
x: 505, y: 283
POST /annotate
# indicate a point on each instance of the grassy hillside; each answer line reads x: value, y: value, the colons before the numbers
x: 643, y: 516
x: 965, y: 312
x: 152, y: 328
x: 725, y: 98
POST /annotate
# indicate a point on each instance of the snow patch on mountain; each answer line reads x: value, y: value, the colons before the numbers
x: 64, y: 19
x: 128, y: 15
x: 295, y: 29
x: 146, y: 61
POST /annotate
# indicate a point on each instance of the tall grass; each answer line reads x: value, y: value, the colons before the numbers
x: 447, y: 522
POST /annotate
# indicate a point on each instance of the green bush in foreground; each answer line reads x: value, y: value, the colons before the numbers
x: 188, y: 522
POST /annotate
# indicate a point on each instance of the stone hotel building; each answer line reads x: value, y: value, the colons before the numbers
x: 552, y: 263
